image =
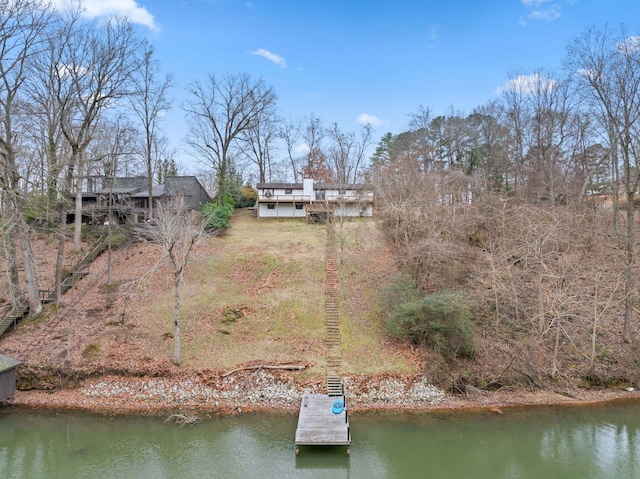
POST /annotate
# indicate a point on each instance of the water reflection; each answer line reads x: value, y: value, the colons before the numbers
x: 560, y: 443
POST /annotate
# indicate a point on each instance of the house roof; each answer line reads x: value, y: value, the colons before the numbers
x: 156, y: 191
x: 85, y: 194
x: 7, y: 363
x: 116, y: 191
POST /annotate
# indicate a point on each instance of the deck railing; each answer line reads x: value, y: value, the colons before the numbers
x: 328, y: 196
x: 284, y: 198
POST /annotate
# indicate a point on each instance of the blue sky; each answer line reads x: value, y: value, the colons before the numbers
x: 351, y: 61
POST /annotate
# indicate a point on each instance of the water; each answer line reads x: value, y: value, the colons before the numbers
x: 595, y: 442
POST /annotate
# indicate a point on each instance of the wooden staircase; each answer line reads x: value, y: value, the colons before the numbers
x: 332, y: 318
x: 13, y: 317
x: 69, y: 279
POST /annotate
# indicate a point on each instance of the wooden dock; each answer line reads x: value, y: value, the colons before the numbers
x: 318, y: 425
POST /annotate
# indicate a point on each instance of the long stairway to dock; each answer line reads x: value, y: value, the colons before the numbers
x: 323, y: 418
x: 332, y: 318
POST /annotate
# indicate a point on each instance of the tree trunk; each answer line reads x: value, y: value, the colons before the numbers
x: 59, y: 260
x: 31, y: 280
x: 556, y: 348
x: 628, y: 273
x: 541, y: 310
x: 12, y: 268
x: 150, y: 181
x: 222, y: 178
x: 62, y: 232
x: 77, y: 224
x: 630, y: 187
x: 615, y: 177
x: 176, y: 319
x: 52, y: 185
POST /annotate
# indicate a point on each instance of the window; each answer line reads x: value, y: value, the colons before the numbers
x: 299, y: 206
x: 271, y: 206
x: 288, y: 191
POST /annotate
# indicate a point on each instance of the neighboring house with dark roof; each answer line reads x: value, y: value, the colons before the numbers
x: 301, y: 200
x: 127, y: 199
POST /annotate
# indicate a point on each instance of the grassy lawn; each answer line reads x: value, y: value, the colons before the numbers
x: 259, y: 296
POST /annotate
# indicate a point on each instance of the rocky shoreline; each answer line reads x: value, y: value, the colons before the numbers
x: 262, y: 391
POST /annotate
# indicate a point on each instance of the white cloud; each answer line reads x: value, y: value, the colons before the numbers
x: 528, y: 84
x: 629, y: 45
x: 301, y: 149
x: 272, y: 57
x: 548, y: 14
x: 433, y: 31
x: 589, y: 74
x: 366, y: 119
x: 101, y: 8
x: 541, y: 11
x: 534, y: 3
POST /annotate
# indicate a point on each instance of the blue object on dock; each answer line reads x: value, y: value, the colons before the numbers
x: 338, y: 407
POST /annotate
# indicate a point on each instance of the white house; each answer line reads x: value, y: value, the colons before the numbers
x: 301, y: 200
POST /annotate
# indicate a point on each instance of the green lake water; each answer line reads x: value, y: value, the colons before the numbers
x: 589, y: 442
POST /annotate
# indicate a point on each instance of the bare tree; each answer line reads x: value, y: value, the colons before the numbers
x: 112, y: 153
x: 257, y: 143
x: 515, y: 117
x: 149, y: 101
x: 347, y: 151
x: 218, y: 112
x: 44, y: 114
x: 490, y: 147
x: 607, y: 69
x: 23, y: 24
x: 550, y: 109
x: 177, y: 234
x: 97, y: 64
x: 290, y: 133
x: 419, y: 125
x: 165, y: 160
x: 313, y: 134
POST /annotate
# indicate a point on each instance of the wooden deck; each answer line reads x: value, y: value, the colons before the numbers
x: 318, y: 425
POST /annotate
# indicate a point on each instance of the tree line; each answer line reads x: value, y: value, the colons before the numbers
x: 525, y: 208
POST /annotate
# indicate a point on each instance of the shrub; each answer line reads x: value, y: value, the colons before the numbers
x: 248, y: 198
x: 443, y: 320
x: 217, y: 217
x: 399, y: 291
x: 91, y: 352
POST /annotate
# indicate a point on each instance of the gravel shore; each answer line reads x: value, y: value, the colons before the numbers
x: 263, y: 390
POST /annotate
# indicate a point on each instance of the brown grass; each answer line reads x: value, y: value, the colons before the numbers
x: 267, y: 275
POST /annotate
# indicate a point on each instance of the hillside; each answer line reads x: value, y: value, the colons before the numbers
x: 252, y: 300
x: 253, y: 294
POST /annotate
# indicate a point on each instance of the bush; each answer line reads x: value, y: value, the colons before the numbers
x: 217, y: 217
x: 400, y: 290
x: 248, y: 198
x: 443, y: 320
x: 35, y: 211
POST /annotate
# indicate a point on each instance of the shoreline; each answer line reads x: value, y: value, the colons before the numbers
x: 267, y: 392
